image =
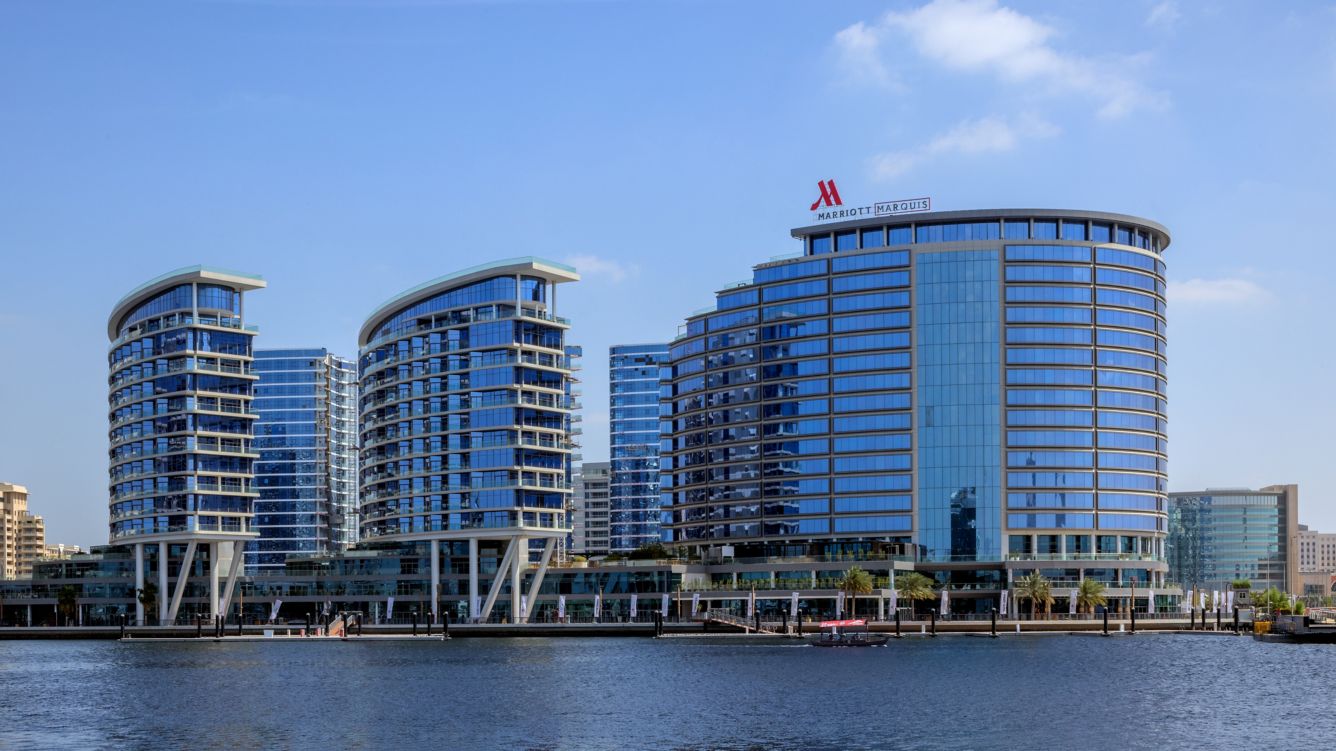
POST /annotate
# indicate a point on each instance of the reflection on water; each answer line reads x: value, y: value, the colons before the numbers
x: 1148, y: 691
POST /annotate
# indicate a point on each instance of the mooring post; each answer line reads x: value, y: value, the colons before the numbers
x: 445, y: 624
x: 1236, y: 620
x: 1106, y: 621
x: 933, y: 614
x: 897, y: 623
x: 993, y: 612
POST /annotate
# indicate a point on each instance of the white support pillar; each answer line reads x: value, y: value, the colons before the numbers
x: 139, y: 583
x: 435, y: 578
x: 162, y: 582
x: 501, y: 570
x: 213, y: 580
x: 519, y: 561
x: 181, y: 579
x: 238, y: 555
x: 473, y: 578
x: 536, y: 585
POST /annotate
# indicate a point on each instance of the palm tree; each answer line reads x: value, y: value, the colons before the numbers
x: 148, y: 596
x: 856, y: 582
x: 67, y: 601
x: 1090, y: 595
x: 914, y: 586
x: 1036, y: 589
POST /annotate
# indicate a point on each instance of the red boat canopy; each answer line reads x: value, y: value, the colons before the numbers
x: 842, y: 624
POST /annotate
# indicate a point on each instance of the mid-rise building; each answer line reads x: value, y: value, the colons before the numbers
x: 61, y: 551
x: 1218, y: 536
x: 306, y: 437
x: 22, y: 534
x: 982, y: 389
x: 633, y: 493
x: 1317, y: 551
x: 179, y: 407
x: 590, y: 535
x: 465, y: 419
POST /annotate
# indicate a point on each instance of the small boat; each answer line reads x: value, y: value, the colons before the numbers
x: 848, y: 633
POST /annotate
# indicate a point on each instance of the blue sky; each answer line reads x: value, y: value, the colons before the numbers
x: 349, y: 150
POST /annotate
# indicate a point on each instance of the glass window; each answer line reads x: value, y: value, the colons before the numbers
x: 870, y: 261
x: 1074, y: 230
x: 1061, y: 274
x: 846, y: 240
x: 1048, y: 294
x: 737, y: 299
x: 884, y: 361
x: 794, y: 289
x: 870, y: 281
x: 874, y: 237
x: 893, y: 320
x: 1100, y: 233
x: 873, y: 301
x: 818, y: 244
x: 1045, y: 229
x: 1017, y: 229
x: 794, y: 310
x: 787, y: 271
x: 1052, y: 253
x: 899, y: 235
x: 890, y: 340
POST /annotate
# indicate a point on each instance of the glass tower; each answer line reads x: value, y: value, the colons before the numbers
x: 465, y: 411
x: 307, y: 440
x: 1219, y: 536
x: 979, y: 387
x: 633, y: 379
x: 181, y: 421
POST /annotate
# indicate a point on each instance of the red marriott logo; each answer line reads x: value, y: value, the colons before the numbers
x: 830, y: 195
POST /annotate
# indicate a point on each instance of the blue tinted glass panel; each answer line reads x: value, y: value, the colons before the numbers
x: 846, y: 240
x: 874, y: 238
x: 818, y: 244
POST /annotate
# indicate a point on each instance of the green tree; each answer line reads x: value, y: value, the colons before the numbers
x: 67, y: 602
x: 650, y: 552
x: 914, y: 586
x: 1090, y: 595
x: 855, y: 582
x: 1037, y: 590
x: 148, y: 597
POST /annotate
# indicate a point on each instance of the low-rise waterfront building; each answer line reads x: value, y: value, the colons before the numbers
x: 590, y: 525
x: 1218, y: 536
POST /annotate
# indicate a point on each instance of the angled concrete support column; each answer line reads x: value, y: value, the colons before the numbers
x: 535, y: 586
x: 139, y: 582
x: 181, y: 582
x: 238, y: 554
x: 501, y: 570
x: 213, y: 579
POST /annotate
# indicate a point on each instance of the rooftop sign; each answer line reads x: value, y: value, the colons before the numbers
x: 828, y: 206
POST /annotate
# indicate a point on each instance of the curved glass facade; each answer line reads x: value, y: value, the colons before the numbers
x: 975, y: 386
x: 465, y: 408
x: 180, y: 390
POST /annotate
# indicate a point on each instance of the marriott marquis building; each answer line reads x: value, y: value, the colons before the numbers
x: 981, y: 391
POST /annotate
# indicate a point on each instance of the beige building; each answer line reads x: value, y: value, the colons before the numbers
x: 589, y: 533
x: 22, y: 535
x: 1317, y: 560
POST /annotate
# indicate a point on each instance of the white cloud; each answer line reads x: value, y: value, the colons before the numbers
x: 860, y: 55
x: 988, y: 135
x: 1216, y: 292
x: 980, y: 36
x: 1164, y: 15
x: 593, y: 266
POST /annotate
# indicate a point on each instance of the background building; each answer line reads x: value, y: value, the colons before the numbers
x: 984, y: 389
x: 22, y: 534
x: 1219, y: 535
x: 465, y: 419
x: 590, y: 534
x: 179, y: 408
x: 306, y: 437
x: 633, y: 494
x: 61, y: 552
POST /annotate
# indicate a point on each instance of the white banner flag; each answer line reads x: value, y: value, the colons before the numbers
x: 895, y: 599
x: 634, y: 601
x: 1150, y: 601
x: 695, y: 603
x: 1187, y: 602
x: 663, y: 608
x: 524, y: 606
x: 598, y: 606
x: 1229, y: 601
x: 839, y: 604
x: 793, y: 606
x: 477, y: 607
x: 1002, y: 603
x: 561, y: 606
x: 389, y: 608
x: 751, y: 605
x: 1215, y: 599
x: 946, y: 602
x: 1202, y: 597
x: 273, y: 613
x: 1071, y: 603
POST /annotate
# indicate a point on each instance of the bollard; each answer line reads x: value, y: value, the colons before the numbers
x: 1236, y: 620
x: 239, y: 624
x: 445, y: 624
x: 359, y: 625
x: 124, y: 618
x: 414, y: 623
x: 307, y: 618
x: 897, y: 623
x: 199, y: 627
x: 1132, y: 611
x: 933, y: 613
x: 1192, y: 619
x: 993, y: 613
x: 1106, y: 621
x: 1217, y: 619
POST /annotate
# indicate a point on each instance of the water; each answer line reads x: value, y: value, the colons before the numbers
x: 1143, y: 692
